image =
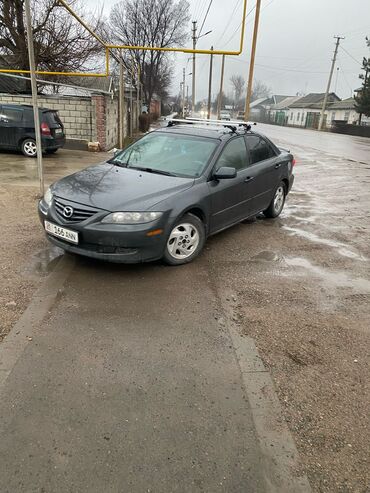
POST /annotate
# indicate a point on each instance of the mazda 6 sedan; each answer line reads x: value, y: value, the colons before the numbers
x: 161, y: 197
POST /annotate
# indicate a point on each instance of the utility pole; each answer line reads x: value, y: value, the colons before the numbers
x: 187, y: 98
x: 193, y: 79
x: 251, y: 64
x: 210, y: 85
x: 36, y: 116
x: 183, y: 92
x: 121, y: 103
x: 321, y: 121
x: 364, y: 86
x: 219, y: 102
x: 131, y: 101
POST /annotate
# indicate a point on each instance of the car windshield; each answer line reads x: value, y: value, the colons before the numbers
x: 168, y: 153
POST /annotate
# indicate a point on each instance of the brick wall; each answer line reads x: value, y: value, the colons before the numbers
x: 85, y: 118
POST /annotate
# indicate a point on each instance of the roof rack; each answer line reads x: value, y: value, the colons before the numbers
x: 232, y: 125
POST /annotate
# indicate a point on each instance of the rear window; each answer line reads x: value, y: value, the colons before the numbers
x: 52, y: 118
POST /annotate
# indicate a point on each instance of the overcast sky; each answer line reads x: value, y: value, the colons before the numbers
x: 295, y: 43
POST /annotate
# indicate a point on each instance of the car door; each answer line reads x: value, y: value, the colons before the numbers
x: 10, y: 120
x: 264, y: 172
x: 229, y: 197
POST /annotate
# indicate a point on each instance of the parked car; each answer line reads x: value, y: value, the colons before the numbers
x: 17, y: 129
x: 225, y: 115
x: 162, y: 196
x: 240, y: 115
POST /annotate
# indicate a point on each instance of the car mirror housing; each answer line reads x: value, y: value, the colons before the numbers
x: 224, y: 173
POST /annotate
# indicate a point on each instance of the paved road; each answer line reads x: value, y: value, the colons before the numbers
x: 345, y: 146
x: 131, y: 385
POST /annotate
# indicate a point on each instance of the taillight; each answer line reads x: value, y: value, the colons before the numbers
x: 45, y: 129
x: 293, y: 162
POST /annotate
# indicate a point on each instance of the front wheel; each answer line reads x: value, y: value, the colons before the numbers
x: 185, y: 241
x: 277, y: 203
x: 29, y: 148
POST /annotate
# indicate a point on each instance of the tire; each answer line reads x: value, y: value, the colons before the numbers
x: 278, y: 201
x: 185, y: 241
x: 51, y: 151
x: 28, y: 148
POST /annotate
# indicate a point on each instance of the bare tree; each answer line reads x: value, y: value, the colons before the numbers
x: 260, y: 90
x: 160, y: 23
x: 61, y: 44
x: 238, y: 83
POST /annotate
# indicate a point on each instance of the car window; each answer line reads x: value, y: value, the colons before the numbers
x: 234, y: 155
x: 176, y: 154
x: 10, y: 115
x: 52, y: 118
x: 259, y: 149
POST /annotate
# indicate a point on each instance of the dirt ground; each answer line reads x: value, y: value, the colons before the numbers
x: 299, y: 285
x: 25, y: 255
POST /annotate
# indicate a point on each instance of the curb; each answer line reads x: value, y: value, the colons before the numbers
x: 29, y: 323
x: 281, y: 462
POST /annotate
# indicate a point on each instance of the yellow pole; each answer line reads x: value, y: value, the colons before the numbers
x: 251, y: 65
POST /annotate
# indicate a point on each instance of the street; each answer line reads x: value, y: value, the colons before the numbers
x: 132, y: 382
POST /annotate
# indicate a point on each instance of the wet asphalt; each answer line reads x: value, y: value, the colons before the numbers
x: 132, y: 383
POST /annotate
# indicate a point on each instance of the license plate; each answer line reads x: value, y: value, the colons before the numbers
x: 58, y: 131
x: 65, y: 234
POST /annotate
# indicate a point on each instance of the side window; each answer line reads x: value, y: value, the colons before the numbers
x: 11, y: 115
x: 259, y: 149
x: 234, y: 155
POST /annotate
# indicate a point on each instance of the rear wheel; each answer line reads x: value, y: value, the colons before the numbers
x: 277, y: 203
x: 185, y: 241
x: 28, y: 148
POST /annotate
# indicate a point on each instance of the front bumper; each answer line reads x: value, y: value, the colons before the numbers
x: 111, y: 242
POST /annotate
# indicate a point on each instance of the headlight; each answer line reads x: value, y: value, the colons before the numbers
x: 48, y: 197
x: 131, y: 217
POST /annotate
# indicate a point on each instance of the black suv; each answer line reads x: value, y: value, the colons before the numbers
x: 17, y: 129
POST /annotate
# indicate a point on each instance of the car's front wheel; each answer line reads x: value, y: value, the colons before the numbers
x: 185, y: 241
x: 278, y: 201
x: 29, y: 148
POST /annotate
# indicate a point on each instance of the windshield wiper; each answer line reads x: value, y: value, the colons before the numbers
x: 117, y: 163
x: 152, y: 170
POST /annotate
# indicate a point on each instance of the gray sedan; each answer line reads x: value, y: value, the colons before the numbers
x: 162, y: 196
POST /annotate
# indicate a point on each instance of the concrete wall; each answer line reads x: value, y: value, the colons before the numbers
x: 85, y: 118
x: 75, y: 113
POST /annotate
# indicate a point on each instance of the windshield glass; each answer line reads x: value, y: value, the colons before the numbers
x: 174, y: 154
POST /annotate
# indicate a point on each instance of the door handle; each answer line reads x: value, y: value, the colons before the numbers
x: 277, y: 165
x: 249, y: 178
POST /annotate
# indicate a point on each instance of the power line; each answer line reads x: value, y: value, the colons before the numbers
x: 230, y: 19
x: 205, y: 17
x: 349, y: 54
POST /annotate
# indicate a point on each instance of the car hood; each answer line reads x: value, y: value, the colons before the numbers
x: 112, y: 188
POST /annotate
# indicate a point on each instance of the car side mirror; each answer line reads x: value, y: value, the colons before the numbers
x: 116, y: 151
x: 224, y: 173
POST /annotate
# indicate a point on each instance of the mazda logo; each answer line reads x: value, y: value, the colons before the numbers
x: 67, y: 211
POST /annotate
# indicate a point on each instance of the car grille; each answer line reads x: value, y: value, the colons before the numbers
x: 80, y: 212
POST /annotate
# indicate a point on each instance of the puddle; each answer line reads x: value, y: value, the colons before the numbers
x: 340, y: 247
x: 267, y: 256
x: 331, y: 279
x: 43, y: 262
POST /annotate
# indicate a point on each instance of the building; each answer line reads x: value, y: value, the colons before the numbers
x: 343, y: 111
x: 279, y: 113
x: 259, y: 108
x: 306, y: 111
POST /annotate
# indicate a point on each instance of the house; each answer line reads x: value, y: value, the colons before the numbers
x: 343, y: 111
x: 259, y: 108
x: 306, y: 111
x: 278, y: 113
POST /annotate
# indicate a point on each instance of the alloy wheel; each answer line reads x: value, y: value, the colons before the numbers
x: 183, y: 241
